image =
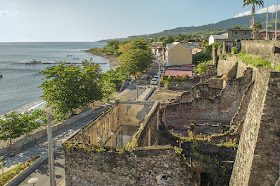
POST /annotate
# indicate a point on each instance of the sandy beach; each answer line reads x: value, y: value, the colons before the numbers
x: 113, y: 60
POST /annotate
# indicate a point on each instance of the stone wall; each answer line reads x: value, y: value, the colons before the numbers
x: 257, y: 159
x: 112, y: 168
x: 263, y: 48
x: 225, y: 66
x: 219, y: 109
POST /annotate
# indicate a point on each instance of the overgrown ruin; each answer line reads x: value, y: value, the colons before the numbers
x: 189, y: 141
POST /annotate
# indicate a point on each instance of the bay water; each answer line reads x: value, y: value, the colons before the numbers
x: 20, y: 82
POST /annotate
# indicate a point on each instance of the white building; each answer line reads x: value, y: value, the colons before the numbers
x: 217, y: 38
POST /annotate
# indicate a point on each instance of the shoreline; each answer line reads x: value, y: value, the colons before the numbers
x: 113, y: 60
x: 39, y: 104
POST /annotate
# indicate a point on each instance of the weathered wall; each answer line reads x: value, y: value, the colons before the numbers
x: 117, y: 125
x: 112, y: 168
x: 225, y: 66
x: 200, y: 90
x: 257, y: 160
x: 263, y: 48
x: 220, y: 109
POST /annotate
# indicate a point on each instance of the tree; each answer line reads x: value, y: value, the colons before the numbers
x: 3, y: 163
x: 17, y: 124
x: 256, y: 27
x: 237, y: 27
x: 125, y: 47
x: 260, y: 3
x: 140, y: 44
x: 68, y: 87
x: 135, y: 60
x: 168, y: 39
x: 113, y: 80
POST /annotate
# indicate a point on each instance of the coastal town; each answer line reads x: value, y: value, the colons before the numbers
x: 198, y: 108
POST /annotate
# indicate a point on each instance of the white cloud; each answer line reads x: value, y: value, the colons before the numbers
x: 244, y: 14
x: 271, y: 9
x: 3, y: 13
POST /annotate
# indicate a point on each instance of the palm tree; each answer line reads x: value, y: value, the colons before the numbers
x: 256, y: 28
x: 260, y: 3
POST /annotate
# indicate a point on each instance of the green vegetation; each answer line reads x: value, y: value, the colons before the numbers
x: 135, y: 61
x: 202, y: 67
x: 278, y: 68
x: 9, y: 175
x: 68, y: 87
x: 254, y: 60
x: 234, y: 50
x: 17, y: 124
x: 112, y: 80
x: 166, y: 79
x: 112, y: 47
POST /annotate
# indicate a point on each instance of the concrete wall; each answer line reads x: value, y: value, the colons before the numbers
x: 179, y: 54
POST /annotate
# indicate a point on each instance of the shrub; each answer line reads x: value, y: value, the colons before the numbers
x: 254, y: 60
x: 234, y: 50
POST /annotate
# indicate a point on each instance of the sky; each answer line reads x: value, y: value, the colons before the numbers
x: 93, y: 20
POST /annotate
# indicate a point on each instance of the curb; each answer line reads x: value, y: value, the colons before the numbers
x: 17, y: 180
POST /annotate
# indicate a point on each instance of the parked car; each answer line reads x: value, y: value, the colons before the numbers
x: 154, y: 81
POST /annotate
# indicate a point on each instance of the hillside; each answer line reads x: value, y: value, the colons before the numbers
x: 213, y: 28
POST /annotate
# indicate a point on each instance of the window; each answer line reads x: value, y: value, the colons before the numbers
x: 235, y: 32
x: 245, y: 33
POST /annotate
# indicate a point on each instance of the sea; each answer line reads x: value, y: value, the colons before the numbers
x: 19, y: 85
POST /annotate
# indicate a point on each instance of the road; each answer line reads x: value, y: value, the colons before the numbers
x: 138, y: 86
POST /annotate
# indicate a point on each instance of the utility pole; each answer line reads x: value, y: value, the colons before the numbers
x: 50, y: 151
x: 266, y: 37
x: 276, y: 20
x: 159, y: 74
x: 10, y: 128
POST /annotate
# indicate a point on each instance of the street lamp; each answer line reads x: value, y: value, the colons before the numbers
x: 50, y: 149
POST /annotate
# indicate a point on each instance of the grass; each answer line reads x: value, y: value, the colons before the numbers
x: 9, y: 175
x: 254, y: 60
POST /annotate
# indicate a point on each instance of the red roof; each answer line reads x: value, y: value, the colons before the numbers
x: 178, y: 73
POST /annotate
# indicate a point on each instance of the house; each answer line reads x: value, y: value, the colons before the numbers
x: 237, y: 34
x: 217, y: 38
x: 177, y: 54
x: 157, y: 48
x: 271, y: 34
x: 179, y: 70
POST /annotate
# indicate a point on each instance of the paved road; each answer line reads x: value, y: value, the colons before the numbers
x: 42, y: 172
x: 41, y: 149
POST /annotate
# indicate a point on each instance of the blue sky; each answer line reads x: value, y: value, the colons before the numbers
x: 92, y: 20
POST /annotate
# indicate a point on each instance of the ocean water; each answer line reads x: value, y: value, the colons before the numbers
x: 20, y: 82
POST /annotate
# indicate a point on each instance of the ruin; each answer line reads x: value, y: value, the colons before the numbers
x: 189, y: 141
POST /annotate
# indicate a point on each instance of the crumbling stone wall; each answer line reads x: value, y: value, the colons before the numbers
x: 257, y: 159
x: 220, y: 109
x: 263, y: 48
x: 138, y: 168
x: 200, y: 90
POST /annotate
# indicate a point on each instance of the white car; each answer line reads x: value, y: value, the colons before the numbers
x: 154, y: 81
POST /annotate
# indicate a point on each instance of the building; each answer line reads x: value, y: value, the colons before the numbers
x: 157, y: 48
x: 179, y: 70
x: 178, y: 54
x: 238, y: 34
x: 104, y: 152
x: 217, y: 38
